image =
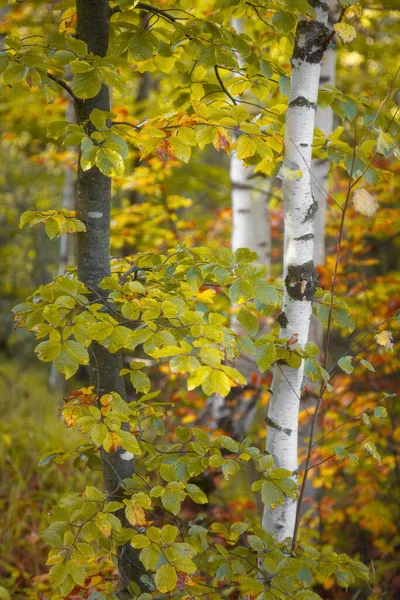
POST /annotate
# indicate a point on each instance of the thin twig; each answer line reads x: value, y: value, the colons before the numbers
x: 63, y: 85
x: 221, y: 83
x: 335, y: 455
x: 325, y: 361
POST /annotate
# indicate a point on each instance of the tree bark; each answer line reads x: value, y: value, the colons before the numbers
x: 320, y: 167
x: 299, y: 271
x: 93, y: 262
x: 250, y: 229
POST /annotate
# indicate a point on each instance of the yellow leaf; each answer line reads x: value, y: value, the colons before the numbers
x: 166, y: 578
x: 346, y: 32
x: 135, y: 515
x: 364, y: 203
x: 245, y: 146
x: 111, y: 442
x: 385, y: 338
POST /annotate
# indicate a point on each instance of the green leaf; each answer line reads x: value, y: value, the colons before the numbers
x: 227, y: 442
x: 78, y: 351
x: 76, y: 571
x: 149, y: 557
x: 129, y: 442
x: 81, y: 66
x: 380, y: 412
x: 265, y: 292
x: 240, y: 291
x: 169, y: 533
x: 15, y: 73
x: 196, y: 494
x: 371, y: 449
x: 56, y: 129
x: 194, y: 278
x: 58, y: 574
x: 48, y: 351
x: 140, y: 541
x: 181, y: 150
x: 52, y: 228
x: 99, y: 118
x: 289, y: 171
x: 265, y: 356
x: 207, y: 55
x: 98, y: 433
x: 86, y: 85
x: 341, y: 452
x: 283, y: 21
x: 172, y: 498
x: 142, y: 45
x: 140, y: 381
x: 166, y: 578
x: 266, y: 68
x: 244, y: 256
x: 100, y: 331
x: 345, y: 363
x: 109, y: 162
x: 256, y: 543
x: 249, y: 321
x: 367, y: 365
x: 271, y: 494
x: 385, y: 143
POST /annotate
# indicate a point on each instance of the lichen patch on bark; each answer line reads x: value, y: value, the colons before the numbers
x: 310, y: 42
x: 301, y: 281
x: 283, y: 320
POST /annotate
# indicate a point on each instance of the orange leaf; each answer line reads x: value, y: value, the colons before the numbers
x: 221, y: 140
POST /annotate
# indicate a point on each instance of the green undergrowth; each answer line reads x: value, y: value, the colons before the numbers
x: 30, y: 427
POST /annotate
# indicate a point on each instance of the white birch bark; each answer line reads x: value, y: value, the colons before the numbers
x: 250, y: 229
x: 320, y: 167
x: 299, y: 271
x: 250, y: 213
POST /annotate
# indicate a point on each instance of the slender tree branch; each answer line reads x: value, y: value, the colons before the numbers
x: 221, y: 83
x: 325, y: 361
x: 64, y: 85
x: 335, y: 455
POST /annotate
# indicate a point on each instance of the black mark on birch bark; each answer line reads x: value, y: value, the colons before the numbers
x: 283, y: 320
x: 305, y: 238
x: 319, y: 4
x: 301, y: 281
x: 271, y: 423
x: 301, y: 101
x: 311, y: 210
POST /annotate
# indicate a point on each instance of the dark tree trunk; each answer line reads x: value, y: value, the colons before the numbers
x: 93, y: 261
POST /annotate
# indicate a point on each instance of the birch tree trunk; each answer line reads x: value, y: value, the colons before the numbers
x: 250, y: 229
x: 320, y: 167
x: 299, y: 271
x: 93, y: 262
